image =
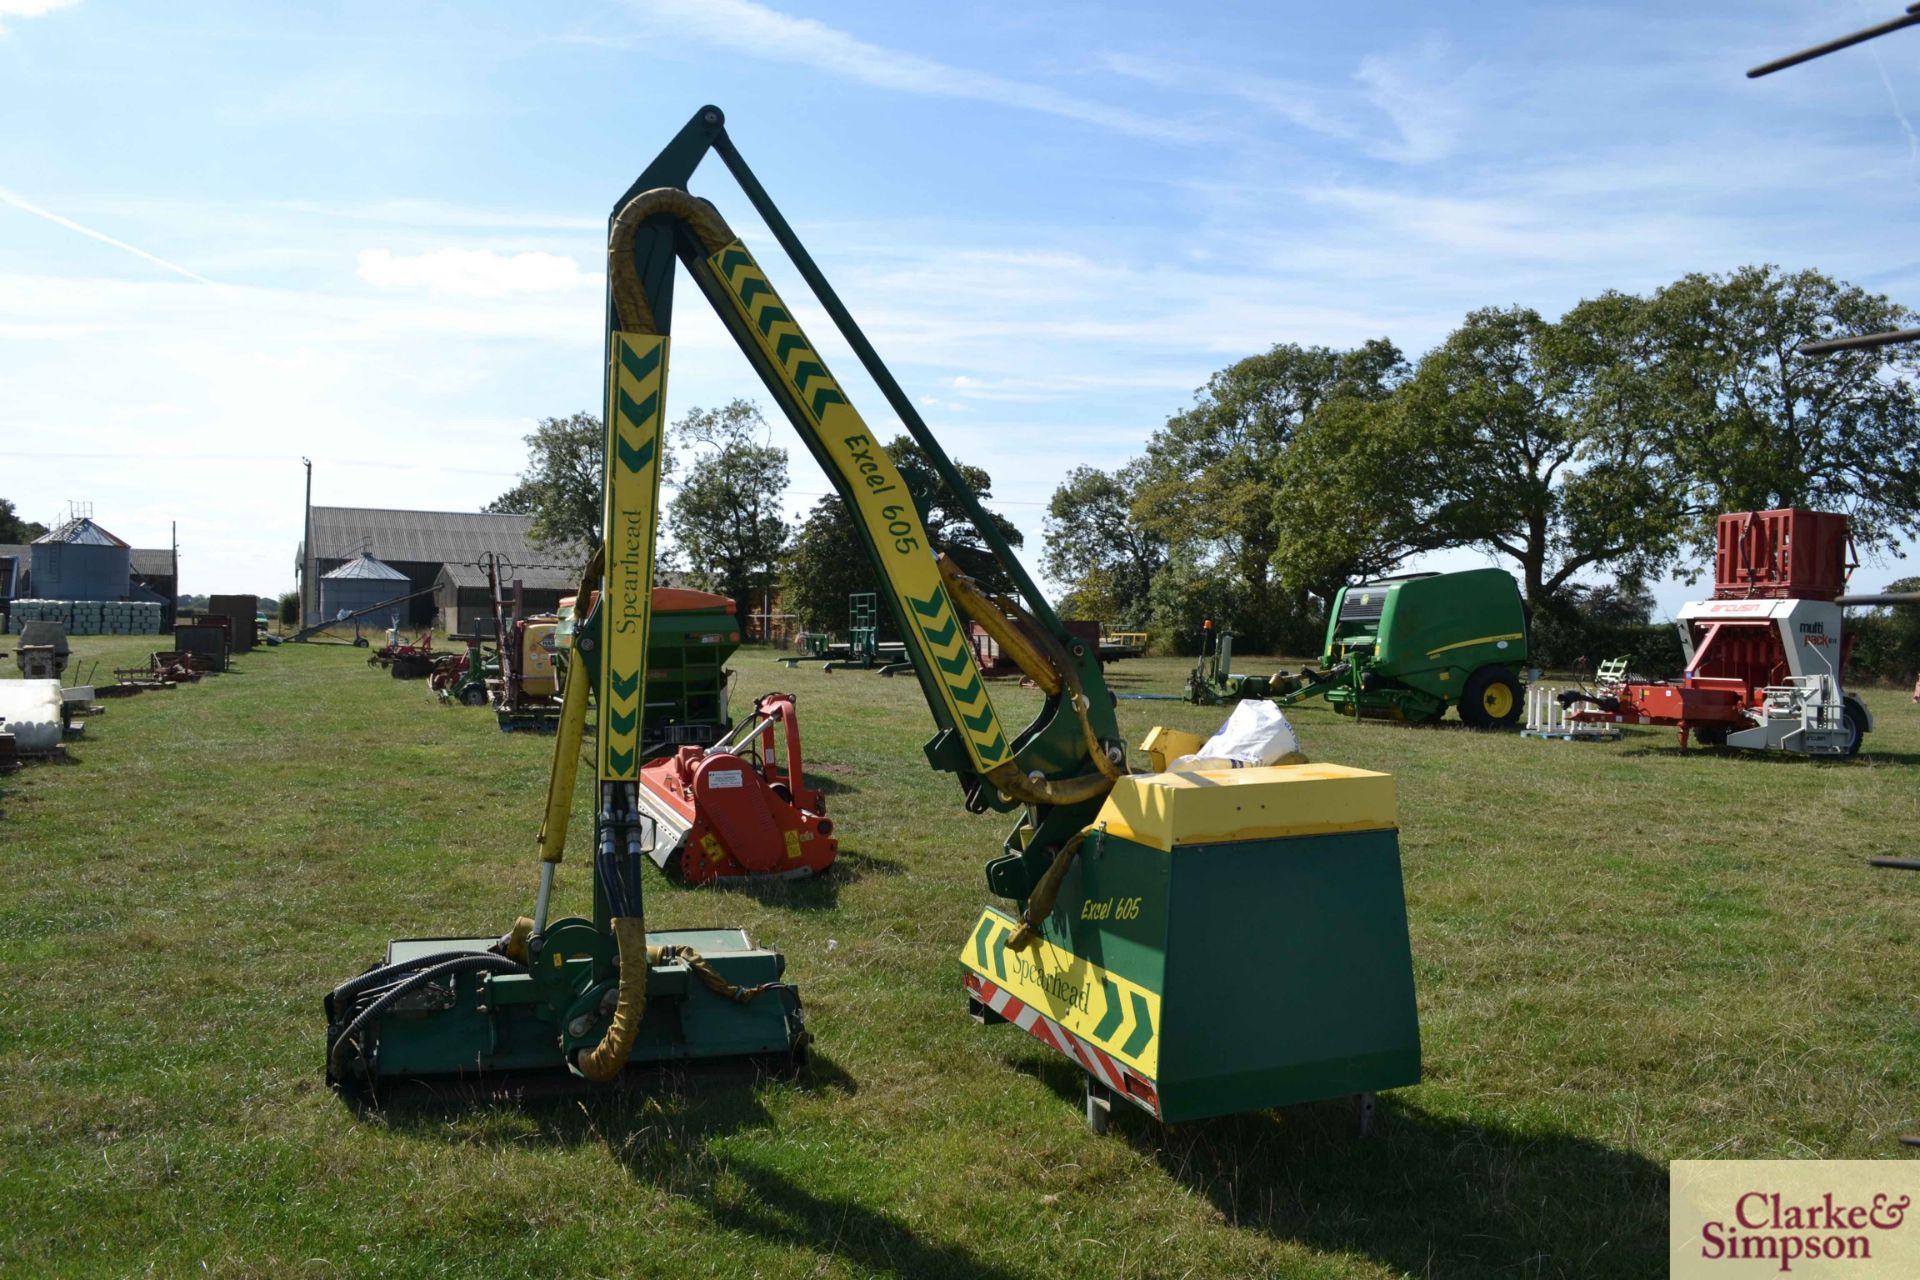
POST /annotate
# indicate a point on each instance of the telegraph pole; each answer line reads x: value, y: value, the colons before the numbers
x: 306, y: 548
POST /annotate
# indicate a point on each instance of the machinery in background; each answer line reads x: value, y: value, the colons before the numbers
x: 525, y: 689
x: 740, y: 807
x: 359, y: 641
x: 1195, y: 945
x: 464, y: 679
x: 693, y: 635
x: 862, y: 650
x: 1400, y: 648
x: 1765, y: 655
x: 406, y: 659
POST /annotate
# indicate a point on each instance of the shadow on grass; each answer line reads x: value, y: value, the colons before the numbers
x: 814, y: 893
x: 829, y: 785
x: 1422, y: 1194
x: 667, y: 1134
x: 1669, y: 748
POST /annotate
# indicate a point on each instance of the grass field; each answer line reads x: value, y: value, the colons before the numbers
x: 1624, y: 956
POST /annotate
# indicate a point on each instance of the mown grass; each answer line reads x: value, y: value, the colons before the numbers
x: 1624, y: 956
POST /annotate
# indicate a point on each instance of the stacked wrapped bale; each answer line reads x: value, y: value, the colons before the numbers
x: 91, y: 617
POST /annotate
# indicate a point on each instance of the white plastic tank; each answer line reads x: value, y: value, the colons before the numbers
x: 30, y: 711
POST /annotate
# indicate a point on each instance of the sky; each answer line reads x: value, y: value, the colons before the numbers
x: 233, y: 235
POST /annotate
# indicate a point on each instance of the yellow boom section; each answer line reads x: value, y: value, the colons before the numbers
x: 881, y: 503
x: 636, y: 396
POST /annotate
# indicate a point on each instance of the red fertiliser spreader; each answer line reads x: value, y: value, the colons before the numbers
x: 740, y: 807
x: 1764, y: 656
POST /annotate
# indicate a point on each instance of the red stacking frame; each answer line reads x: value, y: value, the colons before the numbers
x: 1782, y: 555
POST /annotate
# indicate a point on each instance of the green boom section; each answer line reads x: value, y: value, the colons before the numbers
x: 636, y: 396
x: 936, y: 638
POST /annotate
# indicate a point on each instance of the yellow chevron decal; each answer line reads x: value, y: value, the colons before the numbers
x: 881, y: 499
x: 1120, y: 1016
x: 636, y: 399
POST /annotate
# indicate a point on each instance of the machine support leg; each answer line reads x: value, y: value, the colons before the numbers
x: 546, y: 896
x: 1099, y: 1106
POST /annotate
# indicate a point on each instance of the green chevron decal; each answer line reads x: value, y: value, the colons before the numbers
x: 1142, y: 1027
x: 639, y: 367
x: 634, y: 459
x: 1110, y: 1021
x: 872, y: 486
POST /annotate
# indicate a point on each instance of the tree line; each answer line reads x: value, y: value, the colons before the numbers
x: 726, y: 523
x: 1589, y: 453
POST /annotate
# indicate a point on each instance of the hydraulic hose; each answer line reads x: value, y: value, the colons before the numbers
x: 609, y: 1058
x: 385, y: 973
x: 1045, y: 894
x: 437, y: 967
x: 629, y: 298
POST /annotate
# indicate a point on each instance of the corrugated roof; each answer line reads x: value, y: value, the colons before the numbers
x: 82, y: 531
x: 148, y: 562
x: 448, y: 537
x: 540, y: 577
x: 367, y: 567
x: 151, y: 562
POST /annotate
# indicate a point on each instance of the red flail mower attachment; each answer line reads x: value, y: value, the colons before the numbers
x: 740, y: 807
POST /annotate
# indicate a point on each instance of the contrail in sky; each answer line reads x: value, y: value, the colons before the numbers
x: 27, y: 206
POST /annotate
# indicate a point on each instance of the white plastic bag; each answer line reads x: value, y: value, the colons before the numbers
x: 1257, y: 733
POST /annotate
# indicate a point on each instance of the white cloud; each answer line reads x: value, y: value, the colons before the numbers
x: 777, y: 37
x: 471, y: 273
x: 31, y: 8
x: 1406, y: 92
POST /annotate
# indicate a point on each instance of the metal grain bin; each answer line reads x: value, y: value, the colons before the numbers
x: 360, y: 583
x: 80, y: 561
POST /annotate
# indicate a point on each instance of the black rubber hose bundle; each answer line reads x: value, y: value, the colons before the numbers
x: 444, y: 965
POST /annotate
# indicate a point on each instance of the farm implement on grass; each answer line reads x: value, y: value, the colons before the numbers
x: 1195, y: 944
x: 740, y: 807
x: 406, y: 659
x: 1402, y: 648
x: 359, y: 641
x: 1764, y: 656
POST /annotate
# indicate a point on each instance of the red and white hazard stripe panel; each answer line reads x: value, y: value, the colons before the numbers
x: 1100, y: 1066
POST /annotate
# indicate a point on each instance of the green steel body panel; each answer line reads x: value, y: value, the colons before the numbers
x: 475, y: 1023
x: 1282, y: 967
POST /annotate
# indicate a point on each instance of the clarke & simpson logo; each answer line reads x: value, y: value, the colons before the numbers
x: 1805, y: 1218
x: 1765, y: 1224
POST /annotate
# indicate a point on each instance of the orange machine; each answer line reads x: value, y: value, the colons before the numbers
x: 739, y: 807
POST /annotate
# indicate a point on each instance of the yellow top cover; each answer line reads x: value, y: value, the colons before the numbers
x: 1162, y: 810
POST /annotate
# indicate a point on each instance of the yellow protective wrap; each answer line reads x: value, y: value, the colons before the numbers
x: 629, y: 299
x: 514, y: 945
x: 1045, y: 894
x: 608, y: 1058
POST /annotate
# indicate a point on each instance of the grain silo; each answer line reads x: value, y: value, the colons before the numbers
x: 80, y: 561
x: 360, y: 583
